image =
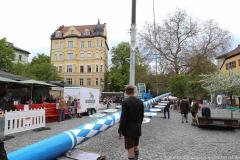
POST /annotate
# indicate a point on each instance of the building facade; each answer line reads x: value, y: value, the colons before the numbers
x: 230, y: 61
x: 21, y: 55
x: 80, y: 54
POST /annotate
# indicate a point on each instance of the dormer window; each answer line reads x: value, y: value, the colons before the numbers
x: 86, y: 32
x: 58, y: 34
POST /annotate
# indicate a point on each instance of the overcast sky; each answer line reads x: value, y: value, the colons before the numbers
x: 29, y: 23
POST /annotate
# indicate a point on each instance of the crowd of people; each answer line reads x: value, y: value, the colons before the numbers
x: 72, y: 106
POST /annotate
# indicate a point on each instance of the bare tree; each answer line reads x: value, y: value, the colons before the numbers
x: 180, y: 38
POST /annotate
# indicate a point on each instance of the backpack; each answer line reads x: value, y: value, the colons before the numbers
x: 206, y: 112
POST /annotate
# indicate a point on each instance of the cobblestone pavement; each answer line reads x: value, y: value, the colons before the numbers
x: 169, y: 139
x: 162, y: 139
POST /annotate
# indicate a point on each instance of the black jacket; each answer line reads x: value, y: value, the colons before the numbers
x: 131, y: 117
x: 184, y: 106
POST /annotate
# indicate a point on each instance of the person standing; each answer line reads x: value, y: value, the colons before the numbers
x: 61, y: 108
x: 78, y: 111
x: 184, y: 109
x: 130, y: 122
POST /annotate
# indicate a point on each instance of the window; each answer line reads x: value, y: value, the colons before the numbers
x: 89, y: 69
x: 61, y: 44
x: 230, y: 65
x: 60, y: 69
x: 89, y: 81
x: 86, y: 33
x: 89, y: 55
x: 97, y: 43
x: 56, y: 44
x: 97, y: 68
x: 20, y: 57
x: 81, y: 82
x: 101, y: 43
x: 102, y: 55
x: 55, y: 57
x: 70, y: 56
x: 101, y: 68
x: 69, y: 80
x: 58, y: 34
x: 70, y: 44
x: 96, y: 81
x: 81, y: 55
x: 82, y: 44
x: 239, y: 62
x: 69, y: 68
x: 97, y: 56
x: 81, y: 69
x: 60, y: 56
x: 89, y: 44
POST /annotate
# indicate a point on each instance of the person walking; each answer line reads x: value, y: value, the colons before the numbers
x: 130, y: 122
x: 194, y: 110
x: 167, y: 109
x: 184, y: 109
x: 61, y: 108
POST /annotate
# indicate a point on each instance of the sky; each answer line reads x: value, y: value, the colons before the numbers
x: 29, y: 23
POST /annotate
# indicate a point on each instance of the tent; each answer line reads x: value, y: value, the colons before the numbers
x: 35, y: 82
x: 6, y: 80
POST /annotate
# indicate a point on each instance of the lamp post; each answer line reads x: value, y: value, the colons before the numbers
x: 133, y: 42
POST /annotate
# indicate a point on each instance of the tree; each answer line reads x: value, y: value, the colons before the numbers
x: 42, y: 69
x: 6, y: 55
x: 222, y: 83
x: 178, y: 85
x: 118, y: 76
x: 180, y: 38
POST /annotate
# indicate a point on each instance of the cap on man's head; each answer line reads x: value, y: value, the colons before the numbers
x: 129, y: 89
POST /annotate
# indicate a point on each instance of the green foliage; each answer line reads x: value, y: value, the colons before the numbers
x: 42, y: 69
x: 196, y: 90
x: 6, y: 55
x: 118, y: 76
x: 178, y: 85
x: 39, y: 69
x: 40, y: 59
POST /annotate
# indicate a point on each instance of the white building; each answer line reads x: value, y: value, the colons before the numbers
x: 21, y: 55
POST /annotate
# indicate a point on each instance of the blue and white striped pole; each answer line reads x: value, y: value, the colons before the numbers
x: 57, y: 145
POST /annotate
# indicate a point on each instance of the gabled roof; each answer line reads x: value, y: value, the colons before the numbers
x: 230, y: 54
x: 22, y: 50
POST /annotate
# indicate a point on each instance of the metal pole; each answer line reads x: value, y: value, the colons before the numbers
x: 154, y: 32
x: 133, y: 42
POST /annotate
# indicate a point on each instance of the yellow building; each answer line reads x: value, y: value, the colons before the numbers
x: 80, y: 54
x: 230, y: 61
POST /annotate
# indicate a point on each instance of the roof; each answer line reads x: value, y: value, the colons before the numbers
x: 95, y: 30
x: 22, y: 50
x: 31, y: 81
x: 230, y: 54
x: 12, y: 76
x: 2, y: 79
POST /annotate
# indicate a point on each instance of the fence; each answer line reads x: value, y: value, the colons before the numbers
x: 19, y: 121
